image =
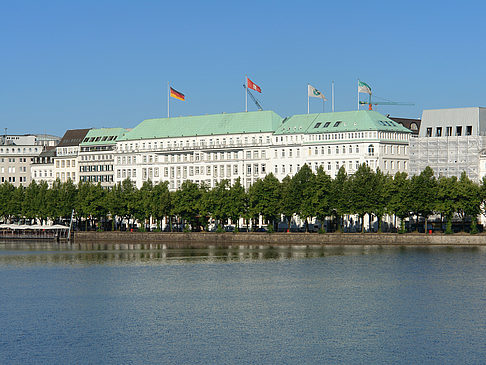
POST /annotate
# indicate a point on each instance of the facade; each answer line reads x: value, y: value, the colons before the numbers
x: 203, y: 149
x: 42, y: 168
x: 341, y: 139
x: 17, y: 155
x: 450, y: 141
x: 96, y: 156
x: 208, y: 149
x: 65, y: 161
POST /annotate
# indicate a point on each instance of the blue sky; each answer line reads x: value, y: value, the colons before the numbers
x: 67, y: 64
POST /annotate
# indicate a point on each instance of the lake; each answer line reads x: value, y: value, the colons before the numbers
x: 245, y: 306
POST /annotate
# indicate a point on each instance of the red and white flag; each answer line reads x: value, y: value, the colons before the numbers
x: 251, y: 85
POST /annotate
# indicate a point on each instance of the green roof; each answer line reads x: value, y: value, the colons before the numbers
x: 204, y: 125
x: 362, y: 120
x: 102, y: 136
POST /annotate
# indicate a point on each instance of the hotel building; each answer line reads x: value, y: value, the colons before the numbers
x: 210, y: 148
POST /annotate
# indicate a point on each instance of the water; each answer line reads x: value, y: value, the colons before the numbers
x: 277, y: 306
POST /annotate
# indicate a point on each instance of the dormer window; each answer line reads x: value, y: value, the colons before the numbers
x: 317, y: 125
x: 326, y: 124
x: 336, y: 124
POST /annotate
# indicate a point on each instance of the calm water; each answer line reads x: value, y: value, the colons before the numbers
x: 273, y: 306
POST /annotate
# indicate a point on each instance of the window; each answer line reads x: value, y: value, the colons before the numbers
x: 371, y: 150
x: 469, y: 130
x: 326, y: 125
x: 449, y: 131
x: 429, y: 132
x: 438, y: 132
x: 317, y: 125
x: 336, y: 124
x: 458, y: 131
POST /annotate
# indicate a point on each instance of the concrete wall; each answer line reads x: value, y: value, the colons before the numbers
x: 205, y: 239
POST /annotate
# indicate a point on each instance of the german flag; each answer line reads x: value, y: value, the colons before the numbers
x: 176, y: 94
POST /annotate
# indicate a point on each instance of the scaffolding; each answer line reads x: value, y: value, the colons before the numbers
x: 447, y: 156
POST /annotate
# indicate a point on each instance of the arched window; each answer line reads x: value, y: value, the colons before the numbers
x: 371, y: 150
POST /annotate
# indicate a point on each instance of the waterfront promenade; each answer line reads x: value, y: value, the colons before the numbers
x: 206, y: 239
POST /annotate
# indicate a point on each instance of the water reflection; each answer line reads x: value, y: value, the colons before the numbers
x: 41, y: 253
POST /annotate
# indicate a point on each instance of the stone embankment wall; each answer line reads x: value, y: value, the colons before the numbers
x: 205, y: 239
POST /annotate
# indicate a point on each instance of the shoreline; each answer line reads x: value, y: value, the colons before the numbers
x: 210, y: 239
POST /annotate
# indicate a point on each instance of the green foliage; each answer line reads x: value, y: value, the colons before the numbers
x: 306, y: 194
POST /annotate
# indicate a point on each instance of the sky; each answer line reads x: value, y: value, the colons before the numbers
x: 94, y: 64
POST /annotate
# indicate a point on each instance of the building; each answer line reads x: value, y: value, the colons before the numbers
x: 17, y: 154
x: 451, y: 141
x: 96, y: 159
x: 65, y: 161
x: 341, y: 139
x: 42, y: 168
x: 210, y: 148
x: 409, y: 123
x: 203, y: 149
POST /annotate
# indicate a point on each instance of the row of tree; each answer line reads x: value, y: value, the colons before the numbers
x: 308, y: 195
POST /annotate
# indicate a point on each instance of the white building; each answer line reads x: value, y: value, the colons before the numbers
x: 333, y: 140
x: 17, y: 154
x: 42, y: 168
x: 451, y: 141
x: 250, y: 145
x: 96, y: 160
x: 65, y: 161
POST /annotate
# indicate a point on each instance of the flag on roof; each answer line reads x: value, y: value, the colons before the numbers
x: 312, y: 91
x: 176, y: 94
x: 363, y: 87
x: 251, y: 85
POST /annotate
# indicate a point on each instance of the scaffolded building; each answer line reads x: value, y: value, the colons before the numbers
x: 450, y: 142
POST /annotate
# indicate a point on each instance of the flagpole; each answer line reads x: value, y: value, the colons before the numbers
x: 332, y: 96
x: 246, y: 93
x: 358, y: 94
x: 168, y: 100
x: 307, y: 98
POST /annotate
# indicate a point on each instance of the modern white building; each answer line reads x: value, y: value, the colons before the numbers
x: 210, y: 148
x: 451, y: 141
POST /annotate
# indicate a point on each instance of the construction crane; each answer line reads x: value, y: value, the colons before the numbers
x: 370, y: 103
x: 253, y: 98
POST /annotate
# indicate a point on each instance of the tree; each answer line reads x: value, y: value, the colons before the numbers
x: 447, y: 199
x: 218, y: 203
x: 380, y: 196
x: 398, y: 204
x: 264, y: 199
x: 340, y: 202
x: 238, y: 202
x: 423, y: 194
x: 469, y: 200
x: 288, y: 203
x: 300, y: 198
x: 322, y: 199
x: 187, y: 203
x: 362, y: 192
x: 161, y: 202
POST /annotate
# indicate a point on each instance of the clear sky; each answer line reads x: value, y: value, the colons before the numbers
x: 81, y: 64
